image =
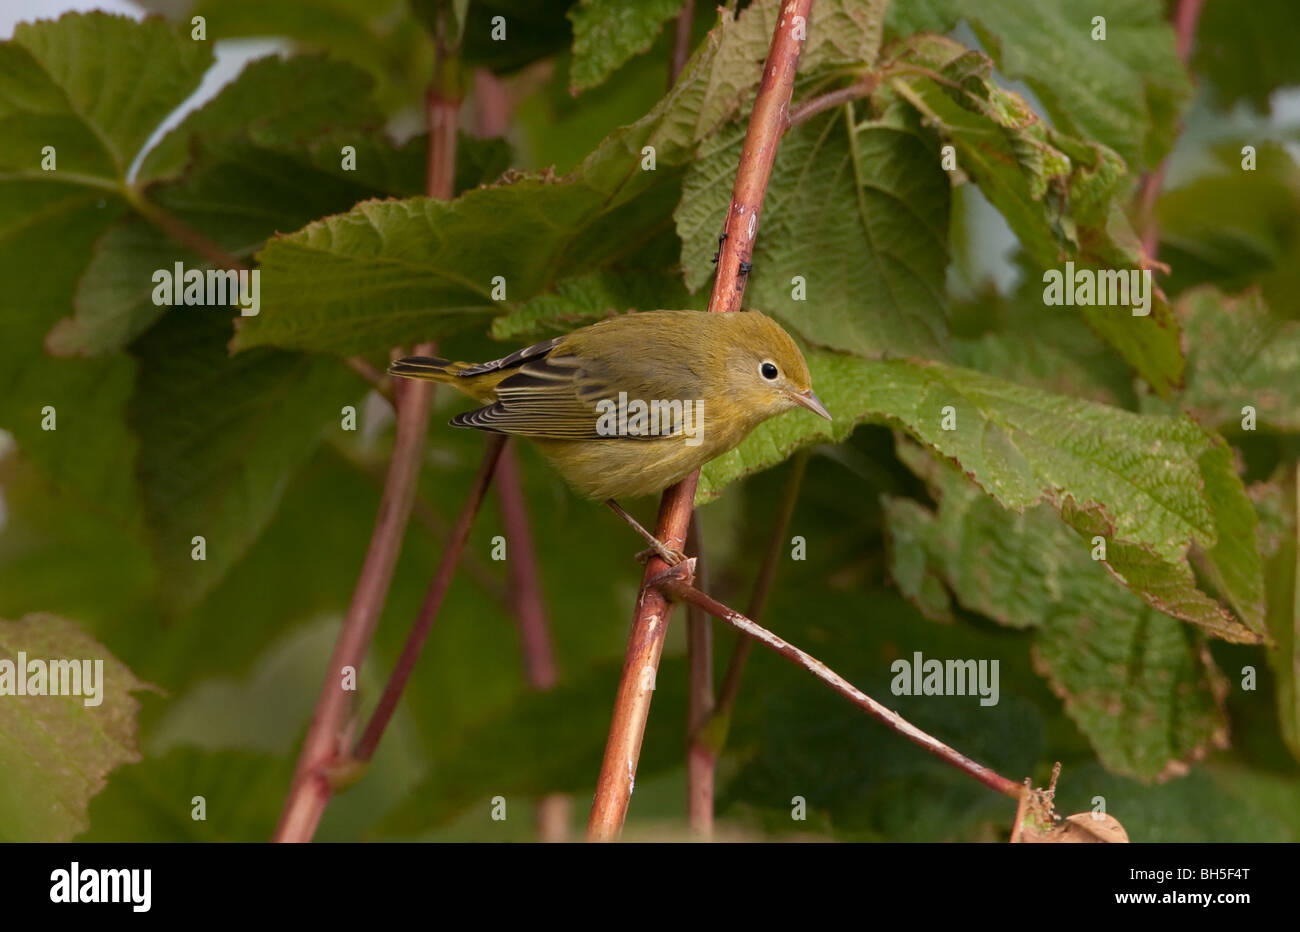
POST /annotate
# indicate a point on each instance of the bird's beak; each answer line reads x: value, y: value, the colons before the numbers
x: 810, y: 401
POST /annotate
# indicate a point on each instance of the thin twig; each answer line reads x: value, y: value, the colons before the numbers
x: 762, y: 587
x: 815, y: 105
x: 433, y: 522
x: 525, y: 582
x: 682, y: 40
x: 701, y: 756
x: 433, y: 597
x: 675, y: 583
x: 1186, y: 15
x: 310, y: 791
x: 325, y: 745
x: 380, y: 382
x: 178, y: 230
x: 767, y: 123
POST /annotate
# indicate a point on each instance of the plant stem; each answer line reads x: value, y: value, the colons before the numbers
x: 1186, y: 15
x: 762, y: 587
x: 525, y: 582
x: 682, y: 40
x: 433, y: 597
x: 767, y: 123
x: 813, y: 106
x: 324, y: 746
x: 675, y: 583
x: 701, y: 756
x: 310, y: 791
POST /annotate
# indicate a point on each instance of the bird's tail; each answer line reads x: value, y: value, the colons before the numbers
x: 425, y: 367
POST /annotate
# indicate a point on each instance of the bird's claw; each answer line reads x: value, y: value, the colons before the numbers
x: 667, y: 554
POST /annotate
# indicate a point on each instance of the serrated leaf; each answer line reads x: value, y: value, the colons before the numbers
x: 606, y: 33
x: 1258, y: 368
x: 219, y: 438
x: 1133, y: 679
x: 589, y: 298
x: 57, y: 750
x: 1143, y: 482
x: 1125, y: 90
x: 1057, y: 193
x: 259, y: 160
x: 394, y: 272
x: 857, y: 210
x: 1279, y: 545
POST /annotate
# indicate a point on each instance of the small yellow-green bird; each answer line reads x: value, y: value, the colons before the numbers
x: 630, y: 405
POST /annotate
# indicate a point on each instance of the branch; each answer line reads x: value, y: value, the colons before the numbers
x: 701, y: 755
x: 525, y: 581
x: 1186, y: 16
x: 682, y: 40
x: 815, y: 105
x: 378, y: 381
x: 674, y: 583
x: 758, y: 601
x: 433, y: 597
x: 310, y: 791
x: 324, y: 748
x: 767, y: 123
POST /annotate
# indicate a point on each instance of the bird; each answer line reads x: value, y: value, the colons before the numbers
x: 627, y: 406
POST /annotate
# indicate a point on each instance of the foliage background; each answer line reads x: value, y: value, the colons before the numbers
x: 923, y: 292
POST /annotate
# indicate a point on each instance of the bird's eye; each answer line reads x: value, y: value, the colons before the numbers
x: 769, y: 371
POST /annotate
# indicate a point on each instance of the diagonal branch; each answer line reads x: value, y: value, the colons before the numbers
x: 675, y: 583
x: 767, y: 123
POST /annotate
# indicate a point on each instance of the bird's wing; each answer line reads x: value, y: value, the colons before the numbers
x: 558, y: 397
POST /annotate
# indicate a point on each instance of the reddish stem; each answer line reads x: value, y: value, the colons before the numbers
x: 525, y: 583
x: 767, y: 123
x: 1186, y: 15
x: 310, y: 791
x: 433, y: 597
x: 701, y: 757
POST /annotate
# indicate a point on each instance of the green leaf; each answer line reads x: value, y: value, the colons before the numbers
x: 1147, y: 484
x: 154, y: 801
x: 219, y: 438
x: 1245, y: 49
x: 1258, y: 368
x: 1125, y: 91
x: 606, y: 33
x: 275, y: 103
x: 378, y: 36
x: 550, y: 742
x: 259, y: 160
x: 1133, y: 679
x: 95, y: 87
x: 57, y: 750
x: 1057, y: 193
x: 857, y: 210
x: 1279, y: 544
x: 1235, y: 228
x: 394, y: 272
x: 589, y: 298
x: 532, y: 29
